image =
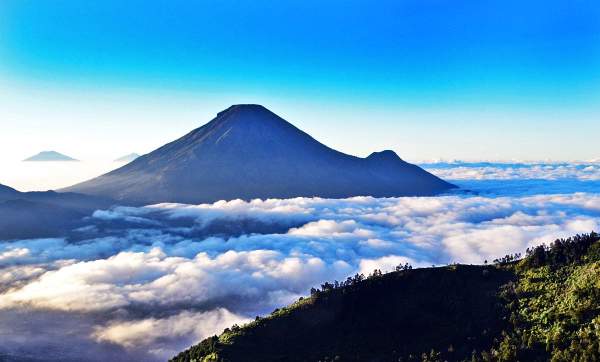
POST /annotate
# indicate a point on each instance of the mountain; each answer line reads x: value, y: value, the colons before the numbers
x: 50, y: 156
x: 544, y: 307
x: 127, y: 158
x: 249, y: 152
x: 44, y: 214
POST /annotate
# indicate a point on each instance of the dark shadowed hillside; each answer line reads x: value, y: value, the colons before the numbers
x: 43, y: 214
x: 249, y: 152
x: 21, y: 219
x: 7, y: 192
x: 546, y: 306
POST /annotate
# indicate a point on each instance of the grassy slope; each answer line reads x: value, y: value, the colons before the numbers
x: 554, y: 310
x: 539, y: 308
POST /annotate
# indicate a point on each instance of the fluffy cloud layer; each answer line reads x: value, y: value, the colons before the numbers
x: 152, y: 331
x: 520, y: 179
x: 149, y: 281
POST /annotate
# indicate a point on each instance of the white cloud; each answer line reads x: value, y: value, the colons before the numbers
x: 150, y: 331
x: 152, y: 267
x: 332, y: 228
x: 155, y: 279
x: 13, y: 254
x: 151, y: 281
x: 515, y: 171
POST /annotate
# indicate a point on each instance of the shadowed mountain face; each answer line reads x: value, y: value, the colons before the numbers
x: 249, y: 152
x: 382, y: 319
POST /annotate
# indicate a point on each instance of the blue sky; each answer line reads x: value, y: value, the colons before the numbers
x: 429, y: 79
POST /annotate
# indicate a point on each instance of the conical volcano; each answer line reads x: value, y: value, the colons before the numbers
x: 249, y: 152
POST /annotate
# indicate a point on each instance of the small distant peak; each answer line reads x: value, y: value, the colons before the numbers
x: 243, y: 108
x: 50, y: 156
x: 386, y: 155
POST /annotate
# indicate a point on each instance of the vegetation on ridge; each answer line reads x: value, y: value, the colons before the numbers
x: 545, y: 306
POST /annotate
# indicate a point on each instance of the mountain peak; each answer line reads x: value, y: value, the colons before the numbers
x: 385, y: 155
x: 50, y: 156
x: 248, y: 114
x: 244, y: 108
x: 249, y: 152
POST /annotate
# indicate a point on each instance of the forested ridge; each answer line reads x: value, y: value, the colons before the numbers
x: 544, y: 306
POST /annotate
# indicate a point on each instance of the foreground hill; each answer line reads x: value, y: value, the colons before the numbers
x: 546, y: 306
x: 43, y: 214
x: 249, y: 152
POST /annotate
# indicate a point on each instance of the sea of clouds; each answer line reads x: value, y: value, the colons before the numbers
x: 589, y: 171
x: 144, y: 283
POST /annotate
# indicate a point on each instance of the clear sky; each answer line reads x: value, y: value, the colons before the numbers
x: 429, y: 79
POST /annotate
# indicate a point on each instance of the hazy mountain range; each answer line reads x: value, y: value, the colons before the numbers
x: 43, y: 214
x: 249, y: 152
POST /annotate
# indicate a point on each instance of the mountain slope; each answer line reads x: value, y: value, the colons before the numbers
x: 49, y: 156
x: 546, y: 306
x: 7, y: 192
x: 249, y: 152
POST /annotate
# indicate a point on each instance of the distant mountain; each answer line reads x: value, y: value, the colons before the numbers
x: 127, y: 158
x: 44, y: 214
x: 249, y: 152
x: 50, y: 156
x: 509, y: 311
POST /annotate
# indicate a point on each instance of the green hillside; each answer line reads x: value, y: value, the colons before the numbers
x: 545, y: 306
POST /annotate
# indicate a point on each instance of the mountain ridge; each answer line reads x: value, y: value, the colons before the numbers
x: 543, y: 307
x: 6, y: 191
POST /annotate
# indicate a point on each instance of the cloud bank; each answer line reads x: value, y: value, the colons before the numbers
x: 519, y: 179
x: 144, y: 283
x: 152, y: 331
x: 582, y: 171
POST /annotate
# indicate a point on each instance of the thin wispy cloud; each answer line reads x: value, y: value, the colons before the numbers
x: 582, y: 171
